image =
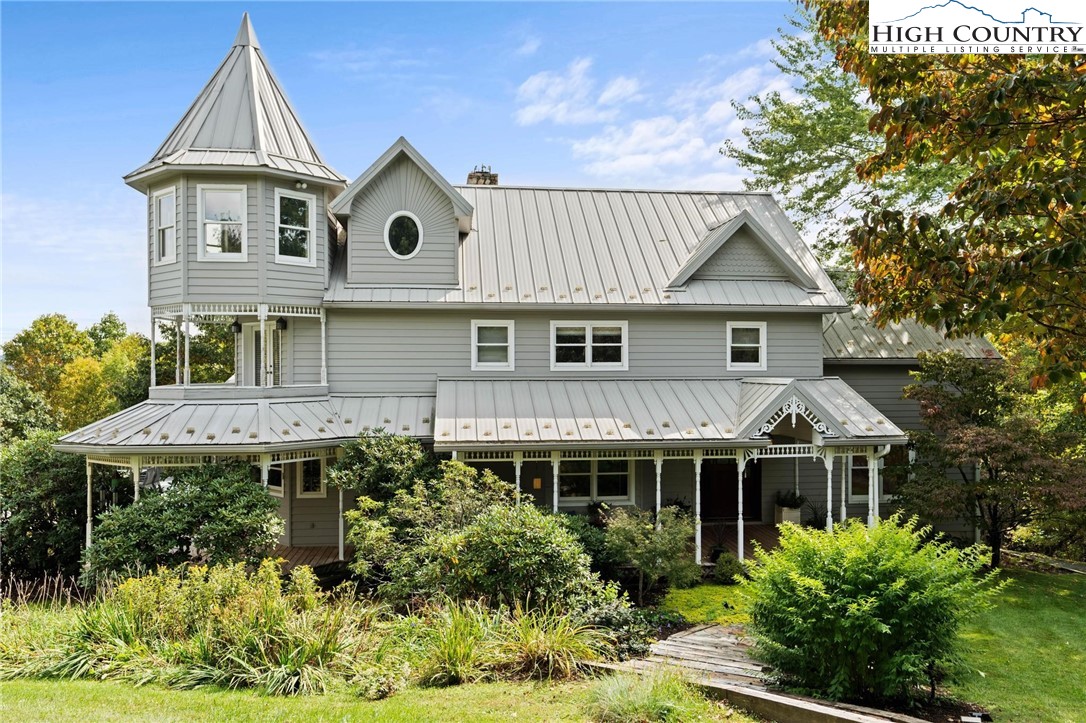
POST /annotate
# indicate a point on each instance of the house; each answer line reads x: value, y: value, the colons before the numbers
x: 632, y: 347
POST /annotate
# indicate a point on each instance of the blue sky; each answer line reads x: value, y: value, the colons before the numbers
x: 558, y: 94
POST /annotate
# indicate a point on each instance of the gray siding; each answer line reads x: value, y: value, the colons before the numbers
x: 223, y: 280
x: 404, y: 352
x: 164, y: 282
x: 402, y: 186
x: 881, y: 384
x: 294, y: 283
x: 741, y: 257
x: 315, y: 520
x: 305, y: 351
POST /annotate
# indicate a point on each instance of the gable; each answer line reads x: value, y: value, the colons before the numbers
x: 742, y: 257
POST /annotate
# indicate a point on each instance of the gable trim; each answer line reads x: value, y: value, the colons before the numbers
x: 341, y: 205
x: 789, y: 402
x: 718, y: 236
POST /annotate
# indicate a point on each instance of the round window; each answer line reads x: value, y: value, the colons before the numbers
x: 403, y: 235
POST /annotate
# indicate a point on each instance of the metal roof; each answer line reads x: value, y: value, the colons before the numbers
x: 538, y: 246
x: 480, y: 413
x: 852, y: 335
x: 242, y: 118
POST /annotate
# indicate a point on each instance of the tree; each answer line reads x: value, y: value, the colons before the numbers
x: 1005, y: 468
x: 21, y: 409
x: 126, y: 366
x: 1011, y: 239
x: 82, y: 395
x: 804, y: 145
x: 39, y: 353
x: 211, y: 353
x: 659, y: 552
x: 105, y: 332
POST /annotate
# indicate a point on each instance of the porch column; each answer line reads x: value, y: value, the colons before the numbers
x: 872, y: 478
x: 177, y: 351
x: 188, y: 332
x: 262, y: 317
x: 154, y: 376
x: 555, y: 458
x: 739, y: 522
x: 134, y: 465
x: 90, y: 504
x: 697, y: 506
x: 828, y: 460
x: 341, y: 555
x: 658, y: 457
x: 876, y: 483
x: 518, y: 459
x: 844, y: 482
x: 324, y: 353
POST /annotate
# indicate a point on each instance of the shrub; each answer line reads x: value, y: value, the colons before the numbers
x: 459, y: 643
x: 728, y: 569
x: 790, y: 499
x: 662, y: 555
x: 593, y: 539
x: 863, y: 614
x: 661, y: 695
x: 548, y: 643
x: 213, y: 514
x: 379, y: 464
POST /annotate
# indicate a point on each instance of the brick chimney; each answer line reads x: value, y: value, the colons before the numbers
x: 482, y: 176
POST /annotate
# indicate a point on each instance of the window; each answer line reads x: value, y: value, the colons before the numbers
x: 311, y: 478
x: 165, y: 225
x: 746, y: 346
x: 859, y: 475
x: 589, y: 345
x: 221, y: 210
x: 492, y: 345
x: 253, y: 366
x: 275, y: 480
x: 594, y: 479
x: 403, y: 234
x: 294, y: 228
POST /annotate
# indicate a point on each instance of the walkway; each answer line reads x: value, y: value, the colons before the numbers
x: 706, y: 654
x: 312, y: 556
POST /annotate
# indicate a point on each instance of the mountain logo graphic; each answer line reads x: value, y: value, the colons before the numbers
x: 1028, y: 16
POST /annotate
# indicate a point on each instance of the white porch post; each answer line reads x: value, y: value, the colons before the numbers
x: 697, y: 506
x: 134, y: 465
x: 324, y: 357
x: 871, y: 479
x: 876, y: 483
x: 555, y: 458
x: 90, y: 504
x: 341, y: 553
x: 844, y: 482
x: 262, y: 317
x: 154, y: 375
x: 177, y: 351
x: 739, y: 522
x: 828, y: 459
x: 188, y: 332
x: 658, y: 457
x: 518, y: 459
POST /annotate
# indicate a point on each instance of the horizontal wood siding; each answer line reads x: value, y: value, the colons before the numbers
x: 401, y: 352
x: 294, y: 283
x: 881, y: 384
x: 223, y: 280
x: 306, y: 351
x: 164, y: 282
x: 315, y: 520
x: 402, y: 186
x: 741, y: 257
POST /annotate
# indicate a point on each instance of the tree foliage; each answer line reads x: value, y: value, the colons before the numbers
x: 661, y: 553
x: 1011, y: 239
x: 21, y: 409
x: 38, y: 354
x: 82, y: 395
x: 211, y: 353
x: 106, y: 332
x: 804, y: 144
x: 1005, y: 467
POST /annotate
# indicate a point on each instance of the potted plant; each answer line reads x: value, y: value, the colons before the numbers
x: 788, y: 506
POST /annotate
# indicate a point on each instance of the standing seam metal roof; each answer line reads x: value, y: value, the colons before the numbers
x: 852, y: 335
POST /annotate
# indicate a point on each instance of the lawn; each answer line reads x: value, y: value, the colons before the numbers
x: 57, y: 700
x: 707, y: 603
x: 1029, y: 651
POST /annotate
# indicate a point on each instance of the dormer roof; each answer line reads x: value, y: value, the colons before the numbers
x: 241, y: 120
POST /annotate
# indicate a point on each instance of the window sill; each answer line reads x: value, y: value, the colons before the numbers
x: 295, y: 261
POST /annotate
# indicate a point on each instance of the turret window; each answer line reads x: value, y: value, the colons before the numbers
x: 294, y: 227
x: 222, y: 223
x: 165, y: 222
x: 403, y: 235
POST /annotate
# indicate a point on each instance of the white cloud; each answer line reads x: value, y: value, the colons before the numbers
x: 570, y: 98
x: 529, y: 46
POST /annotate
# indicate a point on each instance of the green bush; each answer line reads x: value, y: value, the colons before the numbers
x: 378, y: 465
x: 661, y: 553
x: 459, y: 644
x: 548, y: 644
x: 863, y: 614
x: 214, y: 514
x: 728, y: 569
x: 593, y: 539
x: 659, y: 696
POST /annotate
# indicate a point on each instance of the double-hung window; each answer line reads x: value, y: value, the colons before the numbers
x: 165, y: 222
x: 584, y: 480
x: 859, y: 474
x: 294, y: 228
x: 492, y: 345
x: 746, y: 346
x: 221, y: 215
x: 311, y: 482
x: 589, y: 345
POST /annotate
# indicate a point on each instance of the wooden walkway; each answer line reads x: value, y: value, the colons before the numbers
x: 706, y: 654
x: 312, y: 556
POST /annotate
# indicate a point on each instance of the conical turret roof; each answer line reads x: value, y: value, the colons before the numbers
x: 241, y: 118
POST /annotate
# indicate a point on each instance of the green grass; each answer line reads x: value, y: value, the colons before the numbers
x: 56, y: 700
x: 1029, y: 651
x: 708, y: 603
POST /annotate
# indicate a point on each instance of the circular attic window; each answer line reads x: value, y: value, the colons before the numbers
x: 403, y: 234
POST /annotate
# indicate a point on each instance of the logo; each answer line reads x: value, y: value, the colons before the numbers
x: 916, y: 27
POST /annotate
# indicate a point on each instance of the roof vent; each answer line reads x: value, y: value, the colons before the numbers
x: 482, y: 176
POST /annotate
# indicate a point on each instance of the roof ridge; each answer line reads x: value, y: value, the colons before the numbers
x: 587, y: 189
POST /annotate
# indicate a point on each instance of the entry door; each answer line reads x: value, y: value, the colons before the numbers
x: 720, y: 491
x: 252, y: 366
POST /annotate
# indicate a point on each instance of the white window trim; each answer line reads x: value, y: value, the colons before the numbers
x: 593, y: 480
x: 201, y: 252
x: 157, y: 226
x: 311, y: 255
x: 858, y: 499
x: 477, y: 365
x: 298, y: 481
x: 280, y: 490
x: 588, y: 364
x: 388, y: 225
x: 746, y: 366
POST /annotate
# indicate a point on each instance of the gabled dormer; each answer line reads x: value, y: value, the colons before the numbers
x: 404, y: 223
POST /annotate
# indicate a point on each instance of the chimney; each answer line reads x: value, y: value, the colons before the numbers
x: 482, y: 176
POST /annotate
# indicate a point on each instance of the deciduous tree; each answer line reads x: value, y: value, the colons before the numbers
x: 38, y: 354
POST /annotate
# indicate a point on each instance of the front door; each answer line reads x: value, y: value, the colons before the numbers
x: 720, y: 490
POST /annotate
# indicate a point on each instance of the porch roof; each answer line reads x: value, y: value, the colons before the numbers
x: 474, y: 414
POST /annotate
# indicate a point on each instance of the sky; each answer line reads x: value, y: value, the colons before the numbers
x: 599, y: 95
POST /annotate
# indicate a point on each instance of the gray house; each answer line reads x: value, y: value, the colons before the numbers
x: 632, y: 347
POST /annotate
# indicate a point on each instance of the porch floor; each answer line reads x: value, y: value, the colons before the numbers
x: 724, y: 533
x: 312, y: 556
